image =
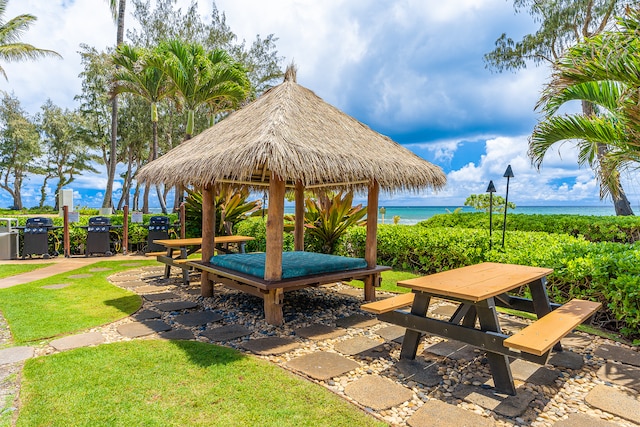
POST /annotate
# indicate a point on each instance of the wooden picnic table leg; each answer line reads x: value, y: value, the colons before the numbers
x: 412, y: 338
x: 541, y: 303
x: 499, y: 363
x: 167, y: 268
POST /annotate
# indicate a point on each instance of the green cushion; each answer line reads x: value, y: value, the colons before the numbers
x: 294, y: 264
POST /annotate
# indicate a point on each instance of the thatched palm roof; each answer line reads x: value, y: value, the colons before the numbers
x: 293, y: 133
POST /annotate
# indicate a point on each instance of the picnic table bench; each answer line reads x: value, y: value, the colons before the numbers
x: 480, y: 289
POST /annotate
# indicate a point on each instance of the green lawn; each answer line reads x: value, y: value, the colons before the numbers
x: 389, y: 280
x: 7, y: 270
x: 173, y: 383
x: 35, y: 313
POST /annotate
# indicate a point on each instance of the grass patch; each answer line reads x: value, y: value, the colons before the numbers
x: 173, y: 383
x: 389, y: 280
x: 8, y: 270
x: 34, y: 313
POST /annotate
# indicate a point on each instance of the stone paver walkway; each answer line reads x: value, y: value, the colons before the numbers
x: 594, y: 382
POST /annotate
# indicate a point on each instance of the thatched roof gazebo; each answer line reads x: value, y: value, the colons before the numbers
x: 289, y: 138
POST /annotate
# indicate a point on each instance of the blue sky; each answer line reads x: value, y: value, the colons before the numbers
x: 410, y: 69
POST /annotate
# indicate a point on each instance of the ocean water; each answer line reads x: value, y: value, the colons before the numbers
x: 410, y: 215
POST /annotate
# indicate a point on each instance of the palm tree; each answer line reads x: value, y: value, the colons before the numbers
x: 118, y: 11
x: 600, y: 72
x: 204, y: 78
x: 11, y: 49
x: 140, y: 73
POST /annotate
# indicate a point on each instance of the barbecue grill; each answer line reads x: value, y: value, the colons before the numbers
x: 158, y: 229
x: 36, y: 237
x: 98, y: 239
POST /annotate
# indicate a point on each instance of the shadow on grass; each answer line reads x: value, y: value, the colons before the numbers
x: 128, y: 304
x: 204, y: 354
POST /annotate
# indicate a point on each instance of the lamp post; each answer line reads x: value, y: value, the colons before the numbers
x: 507, y: 174
x: 490, y: 189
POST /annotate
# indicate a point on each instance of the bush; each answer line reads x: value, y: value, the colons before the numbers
x: 606, y: 272
x: 622, y: 229
x: 257, y: 227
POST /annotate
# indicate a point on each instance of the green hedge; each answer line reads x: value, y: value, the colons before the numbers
x: 605, y: 272
x: 622, y: 229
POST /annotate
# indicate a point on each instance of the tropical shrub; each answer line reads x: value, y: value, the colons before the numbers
x: 257, y: 227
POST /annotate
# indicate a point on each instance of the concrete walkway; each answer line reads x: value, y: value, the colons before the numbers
x: 60, y: 265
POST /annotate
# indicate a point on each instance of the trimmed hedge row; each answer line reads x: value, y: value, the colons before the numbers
x: 622, y: 229
x: 605, y: 272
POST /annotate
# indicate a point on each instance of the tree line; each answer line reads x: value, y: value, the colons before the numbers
x: 175, y: 76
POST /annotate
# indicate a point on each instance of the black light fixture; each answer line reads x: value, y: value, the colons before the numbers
x: 490, y: 189
x: 507, y: 174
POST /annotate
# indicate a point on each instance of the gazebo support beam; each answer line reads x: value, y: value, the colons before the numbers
x: 298, y: 234
x: 208, y: 236
x: 273, y: 262
x: 371, y: 248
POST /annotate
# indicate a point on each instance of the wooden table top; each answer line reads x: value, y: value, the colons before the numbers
x: 476, y: 282
x: 197, y: 241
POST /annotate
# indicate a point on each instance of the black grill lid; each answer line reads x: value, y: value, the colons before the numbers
x: 38, y: 222
x: 159, y: 220
x: 99, y: 220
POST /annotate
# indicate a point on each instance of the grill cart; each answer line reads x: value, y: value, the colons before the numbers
x: 36, y: 237
x: 158, y: 229
x: 98, y: 238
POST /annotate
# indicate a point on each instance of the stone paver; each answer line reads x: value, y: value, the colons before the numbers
x: 351, y: 292
x: 140, y: 329
x: 446, y: 310
x: 118, y: 278
x: 148, y: 289
x: 357, y: 321
x: 79, y: 276
x: 57, y: 286
x: 76, y: 341
x: 177, y: 334
x: 509, y: 406
x: 574, y: 340
x: 392, y: 333
x: 131, y: 284
x: 625, y: 375
x: 619, y: 354
x: 15, y: 354
x: 99, y: 269
x: 615, y: 402
x: 583, y: 420
x: 357, y: 345
x: 175, y: 306
x: 161, y: 296
x: 420, y: 371
x: 532, y: 373
x: 319, y: 331
x: 435, y: 413
x: 322, y: 365
x: 566, y: 359
x: 130, y: 264
x: 198, y: 318
x: 377, y: 393
x: 146, y: 315
x: 226, y: 333
x: 270, y: 345
x: 452, y: 349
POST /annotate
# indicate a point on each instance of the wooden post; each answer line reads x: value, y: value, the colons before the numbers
x: 66, y: 241
x: 298, y: 234
x: 208, y: 236
x: 273, y: 263
x: 125, y: 230
x: 371, y: 247
x: 183, y: 221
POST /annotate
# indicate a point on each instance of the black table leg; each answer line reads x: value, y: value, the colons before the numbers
x: 185, y: 269
x: 499, y: 363
x: 541, y: 304
x: 167, y: 268
x: 411, y: 337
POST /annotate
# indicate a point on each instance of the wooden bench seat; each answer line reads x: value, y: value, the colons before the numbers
x: 544, y: 333
x: 389, y: 304
x: 185, y: 260
x: 157, y: 253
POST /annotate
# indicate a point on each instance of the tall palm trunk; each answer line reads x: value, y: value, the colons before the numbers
x: 113, y: 158
x: 620, y: 202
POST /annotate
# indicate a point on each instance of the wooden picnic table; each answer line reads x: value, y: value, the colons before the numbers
x: 480, y: 289
x: 178, y: 251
